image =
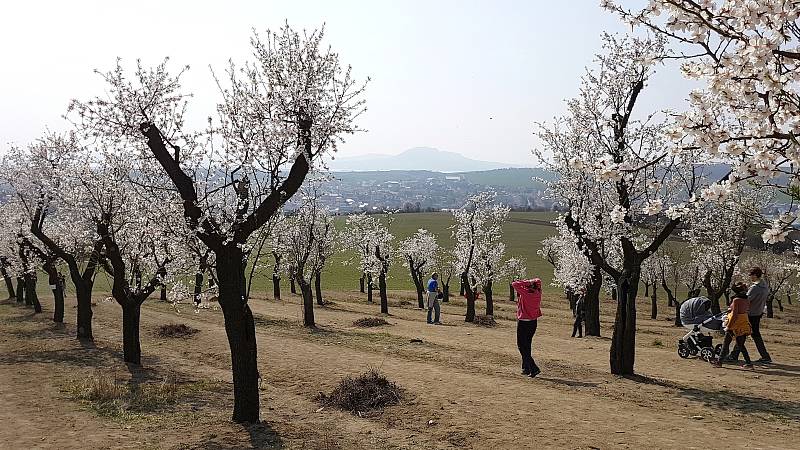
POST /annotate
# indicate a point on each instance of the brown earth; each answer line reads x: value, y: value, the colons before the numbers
x: 462, y: 382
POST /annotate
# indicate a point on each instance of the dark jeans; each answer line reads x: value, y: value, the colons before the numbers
x: 578, y: 327
x: 755, y: 324
x: 726, y: 345
x: 525, y: 331
x: 437, y: 307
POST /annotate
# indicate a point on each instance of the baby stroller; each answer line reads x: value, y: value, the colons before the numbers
x: 695, y: 317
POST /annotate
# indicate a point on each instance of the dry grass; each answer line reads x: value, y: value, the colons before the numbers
x: 367, y: 394
x: 485, y: 321
x: 175, y: 330
x: 111, y: 396
x: 366, y: 322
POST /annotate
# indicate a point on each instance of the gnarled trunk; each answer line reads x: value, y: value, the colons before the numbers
x: 446, y: 292
x: 57, y: 286
x: 417, y: 278
x: 369, y: 289
x: 20, y: 290
x: 770, y: 310
x: 511, y: 293
x: 487, y: 292
x: 470, y: 295
x: 276, y: 286
x: 308, y: 302
x: 591, y: 303
x: 241, y: 333
x: 10, y: 282
x: 382, y: 291
x: 292, y: 286
x: 623, y: 341
x: 198, y: 287
x: 31, y: 297
x: 318, y: 287
x: 361, y: 283
x: 654, y: 304
x: 131, y: 344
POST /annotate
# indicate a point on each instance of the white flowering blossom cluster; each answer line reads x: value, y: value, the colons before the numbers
x: 746, y: 54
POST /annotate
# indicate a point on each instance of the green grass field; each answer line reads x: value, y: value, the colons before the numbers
x: 521, y: 239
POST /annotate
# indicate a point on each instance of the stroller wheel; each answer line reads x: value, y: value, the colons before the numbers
x: 683, y: 351
x: 707, y: 354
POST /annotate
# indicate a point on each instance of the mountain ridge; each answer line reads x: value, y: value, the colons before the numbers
x: 416, y: 158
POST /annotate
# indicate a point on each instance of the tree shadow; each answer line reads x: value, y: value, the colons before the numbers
x: 725, y: 400
x: 780, y: 370
x: 567, y: 382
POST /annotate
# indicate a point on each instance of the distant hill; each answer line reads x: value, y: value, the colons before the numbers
x: 419, y: 158
x: 523, y: 177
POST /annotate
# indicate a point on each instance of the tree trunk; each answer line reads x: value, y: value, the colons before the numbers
x: 382, y: 290
x: 292, y: 286
x: 84, y: 319
x: 647, y: 289
x: 276, y: 286
x: 511, y: 293
x: 445, y: 292
x: 780, y: 304
x: 487, y: 292
x: 591, y: 304
x: 369, y: 289
x: 198, y: 287
x: 623, y: 341
x: 308, y: 303
x: 461, y: 288
x: 654, y: 304
x: 318, y: 287
x: 470, y: 316
x: 416, y: 277
x: 10, y: 283
x: 789, y: 298
x: 361, y: 283
x: 573, y: 301
x: 131, y: 345
x: 770, y: 311
x: 241, y: 333
x: 57, y: 286
x: 20, y: 290
x: 31, y: 297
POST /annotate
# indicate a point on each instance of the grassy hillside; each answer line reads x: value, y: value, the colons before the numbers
x: 521, y: 239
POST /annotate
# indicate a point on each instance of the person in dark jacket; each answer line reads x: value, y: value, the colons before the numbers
x: 579, y: 314
x: 758, y: 295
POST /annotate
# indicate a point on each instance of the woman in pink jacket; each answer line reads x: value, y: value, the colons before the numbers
x: 529, y: 300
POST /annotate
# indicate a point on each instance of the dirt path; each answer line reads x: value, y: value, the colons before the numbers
x: 462, y: 377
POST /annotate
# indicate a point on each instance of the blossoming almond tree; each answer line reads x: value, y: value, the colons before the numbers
x: 308, y: 231
x: 420, y: 251
x: 747, y: 55
x: 718, y: 232
x: 573, y: 272
x: 618, y: 173
x: 367, y: 234
x: 278, y: 116
x: 478, y: 249
x: 46, y: 178
x: 514, y: 269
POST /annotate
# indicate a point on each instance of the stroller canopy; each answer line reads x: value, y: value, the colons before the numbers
x: 695, y: 310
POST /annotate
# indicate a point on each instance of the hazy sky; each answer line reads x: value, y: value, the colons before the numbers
x: 465, y: 76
